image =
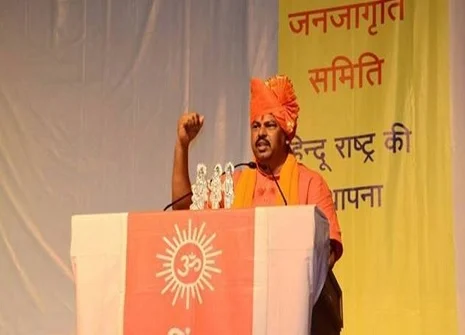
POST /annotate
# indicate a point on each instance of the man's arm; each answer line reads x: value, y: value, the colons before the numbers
x: 188, y: 127
x: 180, y: 182
x: 320, y: 195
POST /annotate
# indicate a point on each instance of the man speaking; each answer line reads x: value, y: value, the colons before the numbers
x: 273, y: 120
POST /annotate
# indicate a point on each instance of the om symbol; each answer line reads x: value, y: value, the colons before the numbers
x: 189, y: 262
x: 177, y: 331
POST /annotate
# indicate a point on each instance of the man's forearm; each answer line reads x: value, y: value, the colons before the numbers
x: 180, y: 184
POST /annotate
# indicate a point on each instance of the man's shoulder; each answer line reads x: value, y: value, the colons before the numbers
x: 307, y: 172
x: 312, y: 178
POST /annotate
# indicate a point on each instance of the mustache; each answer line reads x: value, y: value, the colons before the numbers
x: 262, y: 141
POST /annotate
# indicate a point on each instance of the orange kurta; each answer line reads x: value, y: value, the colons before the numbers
x: 313, y: 190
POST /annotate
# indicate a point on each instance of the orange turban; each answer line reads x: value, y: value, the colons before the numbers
x: 275, y: 96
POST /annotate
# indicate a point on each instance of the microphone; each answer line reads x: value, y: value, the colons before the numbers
x: 251, y: 165
x: 177, y: 200
x: 277, y: 184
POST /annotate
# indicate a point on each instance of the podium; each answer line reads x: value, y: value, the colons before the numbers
x: 250, y: 271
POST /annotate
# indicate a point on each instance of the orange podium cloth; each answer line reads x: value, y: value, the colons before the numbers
x: 230, y: 272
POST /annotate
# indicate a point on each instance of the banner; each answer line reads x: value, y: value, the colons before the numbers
x: 180, y: 284
x: 372, y: 81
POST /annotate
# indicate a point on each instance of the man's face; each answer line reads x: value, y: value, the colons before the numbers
x: 268, y: 140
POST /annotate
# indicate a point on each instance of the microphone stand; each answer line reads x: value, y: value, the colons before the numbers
x: 277, y: 184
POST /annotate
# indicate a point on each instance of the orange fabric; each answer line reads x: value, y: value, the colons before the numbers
x: 318, y: 193
x: 275, y: 96
x: 254, y: 189
x: 156, y: 250
x: 289, y: 183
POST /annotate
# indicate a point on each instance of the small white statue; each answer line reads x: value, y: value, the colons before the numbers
x: 215, y: 187
x: 200, y: 189
x: 228, y: 186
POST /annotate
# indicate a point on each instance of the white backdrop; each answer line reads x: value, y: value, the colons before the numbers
x: 90, y: 92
